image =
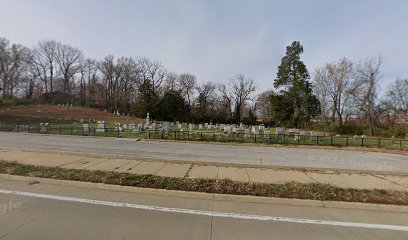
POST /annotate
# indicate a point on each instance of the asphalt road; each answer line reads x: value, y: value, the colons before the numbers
x: 49, y: 211
x: 257, y: 155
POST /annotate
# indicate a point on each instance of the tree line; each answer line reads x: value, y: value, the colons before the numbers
x: 58, y: 72
x: 336, y: 94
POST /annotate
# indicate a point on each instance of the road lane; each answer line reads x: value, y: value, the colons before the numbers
x: 52, y: 211
x: 257, y: 155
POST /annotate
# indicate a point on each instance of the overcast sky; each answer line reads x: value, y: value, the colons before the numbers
x: 216, y: 39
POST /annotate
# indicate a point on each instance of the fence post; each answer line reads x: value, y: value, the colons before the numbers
x: 346, y: 141
x: 118, y: 133
x: 175, y: 135
x: 106, y: 132
x: 400, y: 144
x: 317, y: 140
x: 331, y: 140
x: 148, y: 133
x: 162, y: 133
x: 255, y: 137
x: 201, y: 136
x: 362, y: 142
x: 214, y: 136
x: 379, y: 142
x: 60, y: 131
x: 188, y: 136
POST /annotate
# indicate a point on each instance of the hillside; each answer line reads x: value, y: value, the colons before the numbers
x: 55, y: 113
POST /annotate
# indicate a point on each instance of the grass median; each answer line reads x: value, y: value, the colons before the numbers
x: 313, y: 191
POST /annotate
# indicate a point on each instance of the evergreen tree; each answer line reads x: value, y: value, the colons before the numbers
x: 296, y: 104
x: 173, y: 107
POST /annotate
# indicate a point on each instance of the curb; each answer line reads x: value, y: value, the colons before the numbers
x: 217, y: 197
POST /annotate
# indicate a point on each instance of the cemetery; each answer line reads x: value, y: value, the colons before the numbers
x: 207, y: 132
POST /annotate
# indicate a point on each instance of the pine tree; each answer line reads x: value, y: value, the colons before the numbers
x: 296, y: 104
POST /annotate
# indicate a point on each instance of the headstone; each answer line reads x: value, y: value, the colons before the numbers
x: 86, y: 128
x: 297, y: 137
x: 238, y: 130
x: 125, y: 126
x: 226, y: 129
x: 118, y: 127
x: 148, y: 119
x: 81, y: 120
x: 256, y: 133
x: 314, y: 136
x: 266, y: 134
x: 279, y: 131
x: 135, y: 130
x: 200, y: 126
x: 261, y: 127
x: 247, y: 134
x: 101, y: 126
x: 43, y: 127
x: 293, y: 131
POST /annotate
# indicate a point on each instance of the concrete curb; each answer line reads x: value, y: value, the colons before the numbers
x: 217, y: 197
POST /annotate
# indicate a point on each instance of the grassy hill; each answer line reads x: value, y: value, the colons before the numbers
x: 58, y: 114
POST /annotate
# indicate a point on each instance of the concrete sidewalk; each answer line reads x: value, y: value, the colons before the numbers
x: 202, y: 170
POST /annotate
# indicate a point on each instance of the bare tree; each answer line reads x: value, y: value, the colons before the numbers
x: 171, y: 82
x: 68, y: 60
x: 151, y: 75
x: 367, y: 78
x: 397, y: 96
x: 263, y: 104
x: 14, y: 61
x: 239, y: 91
x: 205, y: 97
x: 335, y: 85
x: 45, y: 60
x: 187, y: 84
x: 109, y: 82
x: 225, y: 99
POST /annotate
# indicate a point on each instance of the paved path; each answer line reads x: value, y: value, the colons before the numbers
x: 49, y: 211
x: 256, y: 155
x: 195, y: 170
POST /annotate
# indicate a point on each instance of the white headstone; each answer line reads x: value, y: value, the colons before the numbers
x: 266, y: 134
x: 101, y: 126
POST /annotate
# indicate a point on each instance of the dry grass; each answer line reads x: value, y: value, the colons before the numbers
x: 39, y: 113
x: 314, y: 191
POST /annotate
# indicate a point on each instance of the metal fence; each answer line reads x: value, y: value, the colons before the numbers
x: 214, y: 136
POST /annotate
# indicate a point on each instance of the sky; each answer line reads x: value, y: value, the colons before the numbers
x: 217, y: 39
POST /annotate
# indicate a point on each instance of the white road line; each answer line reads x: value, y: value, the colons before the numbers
x: 209, y: 213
